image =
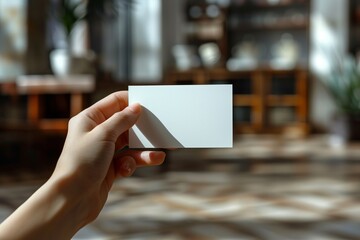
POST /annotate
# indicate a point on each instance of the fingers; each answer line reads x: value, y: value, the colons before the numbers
x: 122, y: 141
x: 107, y: 106
x: 127, y: 162
x: 145, y: 158
x: 118, y: 123
x: 125, y: 167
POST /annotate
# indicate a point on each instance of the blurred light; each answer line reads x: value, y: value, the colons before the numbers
x: 12, y: 38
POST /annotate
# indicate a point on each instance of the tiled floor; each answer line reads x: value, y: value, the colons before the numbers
x: 226, y: 200
x: 188, y: 205
x: 220, y: 205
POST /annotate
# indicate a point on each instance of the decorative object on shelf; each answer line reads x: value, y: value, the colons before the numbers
x: 244, y: 55
x: 209, y: 11
x: 344, y: 85
x: 213, y: 11
x: 185, y: 57
x: 205, y: 28
x: 285, y: 52
x: 195, y: 12
x: 280, y: 27
x: 210, y: 54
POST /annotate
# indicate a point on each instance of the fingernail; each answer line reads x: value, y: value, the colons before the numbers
x: 158, y: 154
x: 128, y: 167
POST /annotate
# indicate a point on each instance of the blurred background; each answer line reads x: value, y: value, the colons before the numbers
x: 293, y: 172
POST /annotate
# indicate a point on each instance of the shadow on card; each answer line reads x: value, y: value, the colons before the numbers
x: 155, y: 131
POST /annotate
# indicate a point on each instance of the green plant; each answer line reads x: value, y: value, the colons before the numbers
x: 69, y: 14
x: 344, y: 85
x: 72, y: 11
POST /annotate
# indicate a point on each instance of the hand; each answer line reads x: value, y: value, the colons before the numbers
x: 90, y: 162
x: 94, y: 137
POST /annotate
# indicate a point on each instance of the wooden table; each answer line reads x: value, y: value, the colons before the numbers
x: 77, y: 86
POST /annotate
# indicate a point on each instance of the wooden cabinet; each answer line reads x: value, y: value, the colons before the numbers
x: 267, y: 23
x: 265, y: 100
x: 271, y: 93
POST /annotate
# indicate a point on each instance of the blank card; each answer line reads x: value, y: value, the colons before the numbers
x: 182, y: 116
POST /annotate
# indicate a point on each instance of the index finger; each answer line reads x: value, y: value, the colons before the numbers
x: 107, y: 106
x: 144, y: 158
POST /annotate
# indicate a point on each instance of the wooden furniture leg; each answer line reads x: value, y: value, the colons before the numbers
x: 34, y: 108
x: 76, y: 103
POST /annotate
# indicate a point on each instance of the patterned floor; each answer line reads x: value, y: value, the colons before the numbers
x: 228, y: 206
x: 193, y: 199
x: 210, y: 205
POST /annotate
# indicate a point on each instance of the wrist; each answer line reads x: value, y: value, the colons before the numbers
x: 80, y: 187
x: 56, y: 212
x: 73, y: 198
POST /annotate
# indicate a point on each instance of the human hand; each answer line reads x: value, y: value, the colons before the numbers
x: 78, y: 188
x: 91, y: 157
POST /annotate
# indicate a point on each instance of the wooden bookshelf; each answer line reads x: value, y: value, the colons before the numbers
x: 267, y: 98
x: 259, y: 106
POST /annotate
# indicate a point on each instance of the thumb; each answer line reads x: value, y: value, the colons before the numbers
x: 119, y: 122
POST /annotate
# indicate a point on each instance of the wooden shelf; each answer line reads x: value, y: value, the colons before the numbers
x: 258, y: 104
x: 44, y: 125
x: 273, y: 100
x: 7, y: 125
x: 245, y: 100
x: 249, y: 6
x: 246, y: 128
x: 259, y: 91
x: 286, y: 26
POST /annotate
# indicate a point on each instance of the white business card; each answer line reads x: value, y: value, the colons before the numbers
x: 183, y: 116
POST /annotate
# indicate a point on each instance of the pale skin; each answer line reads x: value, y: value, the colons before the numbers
x: 87, y: 167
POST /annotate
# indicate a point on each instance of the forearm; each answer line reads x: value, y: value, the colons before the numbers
x: 55, y: 211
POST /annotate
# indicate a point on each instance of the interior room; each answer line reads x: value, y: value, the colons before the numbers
x: 294, y: 67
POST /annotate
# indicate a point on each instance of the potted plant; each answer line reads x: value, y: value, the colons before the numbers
x: 344, y: 85
x: 69, y: 13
